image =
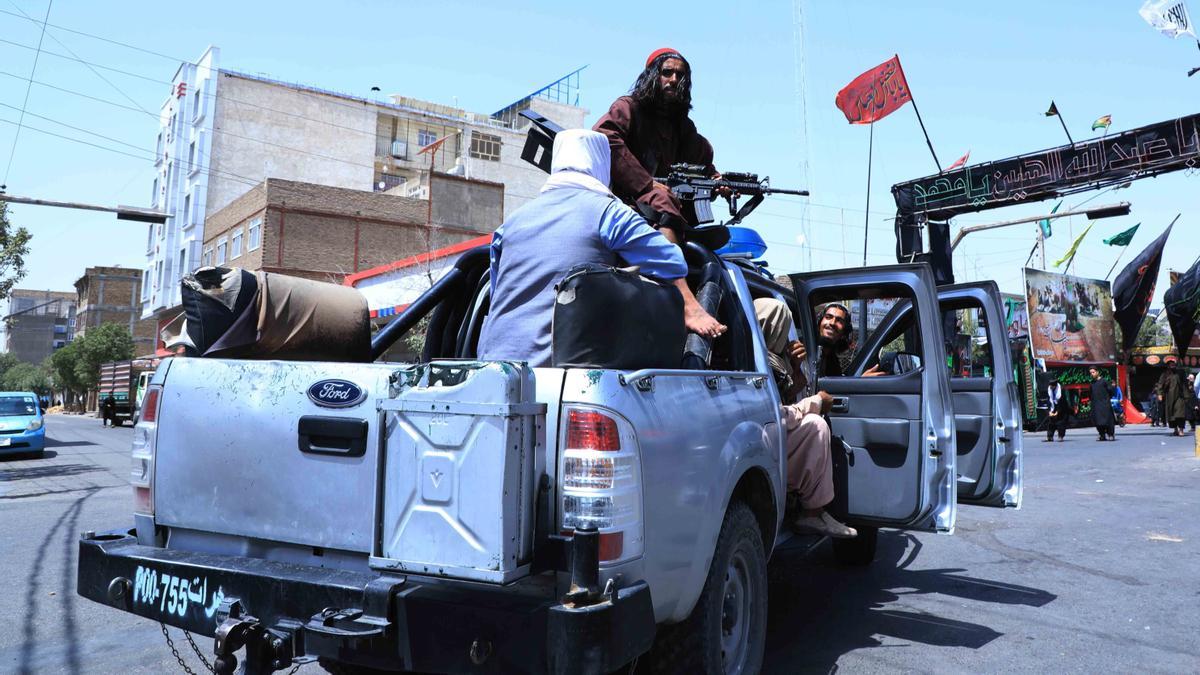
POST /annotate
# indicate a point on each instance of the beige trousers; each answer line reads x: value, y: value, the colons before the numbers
x: 809, y: 463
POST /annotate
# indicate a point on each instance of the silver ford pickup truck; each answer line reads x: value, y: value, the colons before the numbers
x: 457, y: 515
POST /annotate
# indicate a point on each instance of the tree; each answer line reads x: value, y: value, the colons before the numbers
x: 61, y: 366
x: 7, y: 361
x: 1151, y: 334
x: 26, y: 377
x: 102, y: 344
x: 14, y: 246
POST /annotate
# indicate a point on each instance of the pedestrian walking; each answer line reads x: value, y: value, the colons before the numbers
x: 1154, y: 408
x: 1193, y: 412
x: 1176, y: 396
x: 1060, y: 410
x: 108, y: 408
x: 1102, y: 412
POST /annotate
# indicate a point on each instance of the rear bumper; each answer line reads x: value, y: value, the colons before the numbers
x: 367, y: 618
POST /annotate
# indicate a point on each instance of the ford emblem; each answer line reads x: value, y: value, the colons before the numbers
x: 336, y: 394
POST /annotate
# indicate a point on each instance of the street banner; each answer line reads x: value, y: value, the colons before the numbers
x: 1075, y: 245
x: 1134, y: 288
x: 875, y: 94
x: 1044, y: 223
x: 1182, y: 302
x: 1169, y: 17
x: 1123, y: 238
x: 1070, y: 318
x: 961, y: 161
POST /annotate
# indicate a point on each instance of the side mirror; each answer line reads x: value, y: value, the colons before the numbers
x: 906, y: 363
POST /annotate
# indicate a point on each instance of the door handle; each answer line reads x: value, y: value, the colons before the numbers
x: 340, y: 436
x: 841, y: 405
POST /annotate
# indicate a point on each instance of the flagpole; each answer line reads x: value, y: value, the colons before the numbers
x: 1058, y: 114
x: 922, y: 123
x: 862, y: 319
x: 1114, y: 265
x: 867, y: 216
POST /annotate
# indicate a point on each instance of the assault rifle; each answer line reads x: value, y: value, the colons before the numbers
x: 692, y: 186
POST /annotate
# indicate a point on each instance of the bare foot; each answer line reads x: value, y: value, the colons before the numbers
x: 701, y: 322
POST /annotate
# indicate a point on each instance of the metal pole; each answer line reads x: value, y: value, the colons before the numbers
x: 1114, y: 265
x: 1058, y: 114
x: 1042, y: 245
x: 123, y: 212
x: 862, y: 317
x: 922, y: 123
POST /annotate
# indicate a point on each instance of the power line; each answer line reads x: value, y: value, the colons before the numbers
x: 72, y: 53
x: 29, y: 87
x: 150, y: 157
x: 95, y: 37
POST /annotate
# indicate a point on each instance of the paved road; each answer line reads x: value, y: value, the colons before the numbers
x: 1097, y: 573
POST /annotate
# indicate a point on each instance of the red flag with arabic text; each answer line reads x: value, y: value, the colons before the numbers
x: 875, y: 94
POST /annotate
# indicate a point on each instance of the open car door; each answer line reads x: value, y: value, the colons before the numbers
x: 987, y: 414
x: 983, y: 388
x: 894, y: 447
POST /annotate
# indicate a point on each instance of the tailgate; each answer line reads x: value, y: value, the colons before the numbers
x: 244, y: 450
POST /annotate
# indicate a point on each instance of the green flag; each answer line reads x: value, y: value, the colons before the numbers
x: 1123, y: 238
x: 1045, y: 222
x: 1071, y: 251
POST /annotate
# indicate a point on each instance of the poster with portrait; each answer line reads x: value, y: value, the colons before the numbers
x: 1016, y: 318
x: 1070, y: 318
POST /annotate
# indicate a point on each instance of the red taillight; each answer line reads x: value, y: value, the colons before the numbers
x: 150, y: 405
x: 592, y: 431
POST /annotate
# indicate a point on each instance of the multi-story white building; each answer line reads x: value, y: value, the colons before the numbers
x: 224, y: 132
x: 182, y: 157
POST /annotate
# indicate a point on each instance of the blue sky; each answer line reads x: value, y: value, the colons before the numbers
x: 764, y: 86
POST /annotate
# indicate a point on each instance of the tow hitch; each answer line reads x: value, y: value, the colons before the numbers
x: 267, y: 650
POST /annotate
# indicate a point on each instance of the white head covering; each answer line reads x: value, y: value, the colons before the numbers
x: 581, y: 159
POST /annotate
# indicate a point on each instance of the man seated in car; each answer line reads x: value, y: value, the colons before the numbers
x: 576, y: 219
x: 834, y: 329
x: 809, y: 462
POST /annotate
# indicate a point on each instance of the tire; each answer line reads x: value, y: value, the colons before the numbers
x: 726, y: 631
x: 858, y: 551
x: 339, y: 668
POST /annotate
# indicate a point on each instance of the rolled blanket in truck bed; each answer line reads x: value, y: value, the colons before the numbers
x: 234, y: 314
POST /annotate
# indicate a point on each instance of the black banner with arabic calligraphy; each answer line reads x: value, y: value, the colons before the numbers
x: 1138, y: 153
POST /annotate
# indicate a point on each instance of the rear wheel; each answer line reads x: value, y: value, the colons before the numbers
x: 726, y: 632
x: 339, y: 668
x: 858, y: 551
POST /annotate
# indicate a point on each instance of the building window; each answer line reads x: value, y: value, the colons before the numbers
x: 182, y: 259
x: 222, y: 247
x: 158, y: 269
x: 485, y: 146
x: 187, y: 211
x: 192, y: 157
x: 149, y: 238
x: 196, y: 103
x: 236, y: 248
x: 158, y: 149
x: 154, y: 193
x: 425, y: 137
x: 206, y: 259
x: 255, y: 233
x: 145, y: 284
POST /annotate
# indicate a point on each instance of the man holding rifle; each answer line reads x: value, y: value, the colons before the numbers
x: 649, y: 130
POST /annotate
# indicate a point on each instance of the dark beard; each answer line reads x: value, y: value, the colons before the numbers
x: 669, y: 105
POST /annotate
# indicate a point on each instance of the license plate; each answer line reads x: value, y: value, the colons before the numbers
x: 5, y: 442
x: 165, y: 595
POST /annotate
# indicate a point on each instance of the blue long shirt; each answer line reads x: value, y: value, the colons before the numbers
x: 534, y: 248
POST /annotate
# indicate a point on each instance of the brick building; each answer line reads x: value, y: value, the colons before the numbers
x: 222, y: 132
x: 113, y: 295
x: 326, y: 233
x: 38, y: 322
